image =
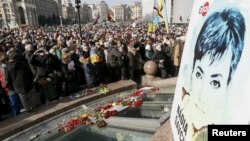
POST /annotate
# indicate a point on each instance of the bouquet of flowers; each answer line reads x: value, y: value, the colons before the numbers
x: 102, y: 89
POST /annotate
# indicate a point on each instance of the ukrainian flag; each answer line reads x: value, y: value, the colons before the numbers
x: 162, y: 3
x: 94, y: 58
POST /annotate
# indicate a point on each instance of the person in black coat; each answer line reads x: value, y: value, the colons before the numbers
x: 21, y: 77
x: 48, y: 66
x: 160, y: 57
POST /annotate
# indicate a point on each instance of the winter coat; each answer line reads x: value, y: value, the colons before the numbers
x: 135, y: 61
x: 149, y: 55
x: 68, y: 74
x: 21, y: 76
x: 46, y: 66
x: 27, y: 56
x: 114, y: 57
x: 160, y: 55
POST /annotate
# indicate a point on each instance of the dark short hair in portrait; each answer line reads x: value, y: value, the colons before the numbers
x: 220, y: 32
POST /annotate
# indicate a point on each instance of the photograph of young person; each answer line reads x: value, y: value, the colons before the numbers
x: 217, y: 53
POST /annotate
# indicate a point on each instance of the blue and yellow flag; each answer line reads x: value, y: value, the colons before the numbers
x: 151, y: 27
x: 165, y: 14
x: 162, y: 12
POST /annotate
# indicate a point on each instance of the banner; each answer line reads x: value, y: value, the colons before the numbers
x: 165, y: 14
x: 151, y: 27
x: 156, y: 20
x: 50, y: 29
x: 214, y: 78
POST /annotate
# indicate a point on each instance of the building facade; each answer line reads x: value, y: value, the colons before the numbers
x: 103, y: 10
x: 86, y: 13
x: 93, y: 11
x: 59, y: 7
x: 120, y: 12
x: 136, y: 9
x: 29, y: 12
x: 69, y: 12
x: 7, y: 13
x: 26, y: 12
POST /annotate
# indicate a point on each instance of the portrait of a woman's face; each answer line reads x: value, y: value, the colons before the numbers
x: 209, y: 88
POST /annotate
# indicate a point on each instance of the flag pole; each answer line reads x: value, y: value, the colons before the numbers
x: 153, y: 17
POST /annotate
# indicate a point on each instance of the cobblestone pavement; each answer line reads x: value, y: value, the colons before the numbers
x: 164, y: 133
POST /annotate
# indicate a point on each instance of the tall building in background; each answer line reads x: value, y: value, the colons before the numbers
x: 7, y: 13
x: 136, y: 8
x: 103, y: 10
x: 120, y: 12
x: 86, y: 13
x: 46, y: 8
x: 69, y: 12
x: 94, y: 11
x: 29, y: 12
x: 59, y: 7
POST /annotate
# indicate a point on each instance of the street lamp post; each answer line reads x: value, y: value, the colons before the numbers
x: 61, y: 20
x: 78, y: 2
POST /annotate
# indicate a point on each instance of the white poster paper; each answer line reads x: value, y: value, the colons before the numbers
x: 214, y: 82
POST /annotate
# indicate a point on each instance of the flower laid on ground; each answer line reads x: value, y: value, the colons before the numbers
x: 71, y: 124
x: 102, y: 89
x: 98, y: 115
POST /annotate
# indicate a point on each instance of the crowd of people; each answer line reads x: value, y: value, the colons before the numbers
x: 40, y: 65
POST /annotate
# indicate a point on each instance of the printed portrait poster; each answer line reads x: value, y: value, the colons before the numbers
x: 213, y: 85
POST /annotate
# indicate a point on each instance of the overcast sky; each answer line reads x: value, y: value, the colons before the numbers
x: 110, y: 2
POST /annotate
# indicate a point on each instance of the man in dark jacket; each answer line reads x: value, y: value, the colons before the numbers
x: 47, y: 66
x: 160, y: 58
x: 115, y: 62
x: 21, y: 77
